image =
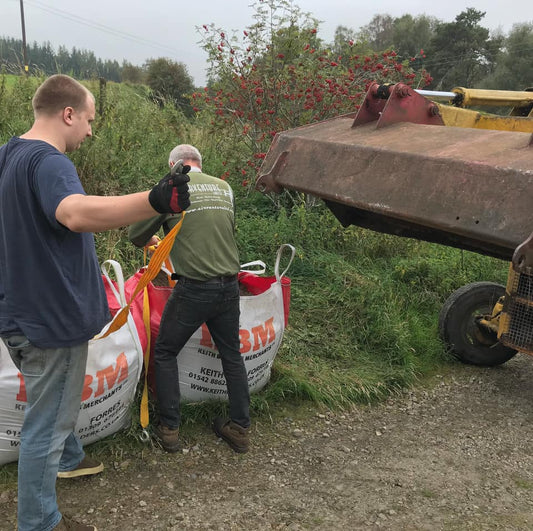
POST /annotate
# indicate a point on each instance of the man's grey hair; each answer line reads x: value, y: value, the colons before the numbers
x: 185, y: 152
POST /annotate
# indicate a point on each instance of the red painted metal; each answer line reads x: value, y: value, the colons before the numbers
x: 390, y: 104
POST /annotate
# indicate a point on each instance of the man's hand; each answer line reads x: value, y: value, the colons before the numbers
x: 171, y: 194
x: 523, y: 257
x: 152, y: 243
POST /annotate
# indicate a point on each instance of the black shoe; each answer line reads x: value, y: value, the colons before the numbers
x: 236, y: 436
x: 168, y: 438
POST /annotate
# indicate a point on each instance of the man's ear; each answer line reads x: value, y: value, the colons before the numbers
x: 67, y: 114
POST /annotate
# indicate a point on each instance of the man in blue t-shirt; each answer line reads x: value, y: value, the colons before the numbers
x: 52, y: 299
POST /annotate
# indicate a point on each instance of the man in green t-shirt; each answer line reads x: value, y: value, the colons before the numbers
x: 206, y: 263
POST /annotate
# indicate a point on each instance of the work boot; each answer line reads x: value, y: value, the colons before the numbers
x: 66, y: 524
x: 87, y: 467
x: 168, y: 438
x: 236, y: 436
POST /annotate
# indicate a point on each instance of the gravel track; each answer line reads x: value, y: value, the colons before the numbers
x: 453, y: 454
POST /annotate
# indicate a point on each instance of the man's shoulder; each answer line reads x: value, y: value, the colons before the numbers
x: 35, y: 149
x: 34, y: 155
x: 204, y: 178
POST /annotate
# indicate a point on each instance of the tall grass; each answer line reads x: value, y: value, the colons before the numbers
x: 364, y: 308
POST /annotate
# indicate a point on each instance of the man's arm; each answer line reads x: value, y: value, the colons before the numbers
x: 92, y: 213
x: 140, y: 233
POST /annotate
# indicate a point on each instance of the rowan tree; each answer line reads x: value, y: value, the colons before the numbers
x: 276, y: 75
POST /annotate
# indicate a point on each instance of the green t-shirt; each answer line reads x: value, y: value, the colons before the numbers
x: 205, y: 247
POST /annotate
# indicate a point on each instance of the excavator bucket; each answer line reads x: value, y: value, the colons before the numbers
x: 398, y: 167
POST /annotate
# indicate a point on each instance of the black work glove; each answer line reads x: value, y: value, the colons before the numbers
x: 171, y: 194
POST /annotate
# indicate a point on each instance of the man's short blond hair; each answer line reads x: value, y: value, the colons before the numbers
x: 57, y: 92
x: 184, y: 152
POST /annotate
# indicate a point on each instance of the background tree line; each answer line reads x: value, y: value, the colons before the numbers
x: 458, y: 53
x: 167, y: 79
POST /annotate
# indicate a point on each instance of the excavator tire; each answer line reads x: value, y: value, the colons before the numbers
x: 460, y: 332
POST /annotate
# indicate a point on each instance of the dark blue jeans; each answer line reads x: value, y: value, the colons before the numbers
x: 192, y: 303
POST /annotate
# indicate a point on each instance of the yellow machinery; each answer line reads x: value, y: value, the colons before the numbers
x: 409, y: 165
x: 521, y: 104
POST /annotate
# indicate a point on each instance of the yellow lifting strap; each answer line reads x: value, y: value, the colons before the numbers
x: 144, y: 415
x: 159, y: 257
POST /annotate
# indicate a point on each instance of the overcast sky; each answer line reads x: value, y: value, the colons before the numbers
x: 136, y: 31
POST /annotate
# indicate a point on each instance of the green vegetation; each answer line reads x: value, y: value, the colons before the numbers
x: 364, y: 307
x: 278, y: 76
x: 523, y: 484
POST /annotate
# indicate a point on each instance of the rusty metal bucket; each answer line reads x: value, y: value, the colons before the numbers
x: 400, y: 170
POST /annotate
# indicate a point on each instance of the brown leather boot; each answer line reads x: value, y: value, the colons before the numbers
x: 236, y: 436
x: 168, y: 438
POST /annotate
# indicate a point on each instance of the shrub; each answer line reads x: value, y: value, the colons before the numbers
x: 278, y: 75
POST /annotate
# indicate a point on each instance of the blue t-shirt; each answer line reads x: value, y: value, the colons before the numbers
x: 51, y: 288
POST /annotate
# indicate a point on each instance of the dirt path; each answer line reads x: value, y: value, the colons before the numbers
x: 457, y: 455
